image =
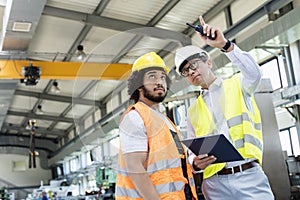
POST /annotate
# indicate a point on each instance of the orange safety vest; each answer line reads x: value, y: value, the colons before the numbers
x: 163, y: 164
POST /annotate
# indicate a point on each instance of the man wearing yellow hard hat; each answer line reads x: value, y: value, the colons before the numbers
x: 152, y: 163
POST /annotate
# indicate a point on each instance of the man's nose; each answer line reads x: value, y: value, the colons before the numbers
x: 159, y: 81
x: 190, y: 71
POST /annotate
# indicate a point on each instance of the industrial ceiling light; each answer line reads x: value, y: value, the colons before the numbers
x: 80, y: 53
x: 39, y: 110
x: 31, y: 125
x: 55, y: 87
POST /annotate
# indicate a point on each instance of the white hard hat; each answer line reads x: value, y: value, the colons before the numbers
x: 184, y: 54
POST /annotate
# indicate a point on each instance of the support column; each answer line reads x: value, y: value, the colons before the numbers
x: 273, y: 159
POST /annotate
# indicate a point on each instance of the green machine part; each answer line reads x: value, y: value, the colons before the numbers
x: 105, y: 177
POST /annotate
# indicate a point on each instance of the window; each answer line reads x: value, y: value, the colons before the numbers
x: 295, y: 141
x: 84, y: 160
x: 285, y: 142
x: 59, y: 170
x: 274, y: 70
x: 67, y: 167
x: 97, y: 152
x: 290, y: 141
x: 74, y: 164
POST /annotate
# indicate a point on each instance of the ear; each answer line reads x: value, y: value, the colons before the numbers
x: 141, y: 93
x: 140, y: 89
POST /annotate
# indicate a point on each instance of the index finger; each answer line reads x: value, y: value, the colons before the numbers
x: 202, y: 22
x: 201, y: 156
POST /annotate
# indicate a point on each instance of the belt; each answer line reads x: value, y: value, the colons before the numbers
x: 238, y: 168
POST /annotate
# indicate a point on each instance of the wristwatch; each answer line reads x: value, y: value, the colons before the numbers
x: 226, y: 46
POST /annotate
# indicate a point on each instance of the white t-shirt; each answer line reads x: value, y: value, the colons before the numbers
x: 132, y: 130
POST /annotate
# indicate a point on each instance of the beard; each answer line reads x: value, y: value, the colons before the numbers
x: 153, y: 98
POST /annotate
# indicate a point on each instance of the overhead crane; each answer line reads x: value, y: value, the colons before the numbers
x: 12, y: 69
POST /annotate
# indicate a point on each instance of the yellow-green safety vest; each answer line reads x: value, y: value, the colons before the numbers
x: 244, y: 127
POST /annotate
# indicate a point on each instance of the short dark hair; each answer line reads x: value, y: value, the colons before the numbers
x: 136, y: 81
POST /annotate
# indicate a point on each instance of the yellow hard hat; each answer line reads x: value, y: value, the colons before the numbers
x: 149, y: 60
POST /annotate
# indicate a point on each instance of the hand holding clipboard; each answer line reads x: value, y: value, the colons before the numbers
x: 216, y: 145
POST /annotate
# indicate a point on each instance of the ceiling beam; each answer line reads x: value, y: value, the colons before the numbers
x: 41, y: 130
x: 85, y: 30
x: 82, y: 35
x: 265, y: 9
x: 209, y: 15
x: 59, y: 98
x: 135, y: 40
x: 162, y: 12
x: 8, y: 140
x: 130, y: 45
x: 41, y: 117
x: 69, y: 108
x: 91, y: 19
x: 114, y: 24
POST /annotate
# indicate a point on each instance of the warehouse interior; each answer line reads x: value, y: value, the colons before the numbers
x: 63, y: 71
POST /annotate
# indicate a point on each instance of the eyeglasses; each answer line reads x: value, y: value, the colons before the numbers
x: 185, y: 72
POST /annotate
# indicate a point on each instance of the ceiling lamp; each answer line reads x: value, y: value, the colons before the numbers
x: 39, y: 110
x: 31, y: 125
x: 80, y: 53
x: 55, y: 87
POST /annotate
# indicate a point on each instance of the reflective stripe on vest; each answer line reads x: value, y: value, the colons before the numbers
x: 163, y: 164
x: 151, y: 169
x: 239, y: 120
x: 192, y: 182
x: 250, y: 139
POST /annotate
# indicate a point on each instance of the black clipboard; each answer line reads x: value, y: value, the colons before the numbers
x: 216, y: 145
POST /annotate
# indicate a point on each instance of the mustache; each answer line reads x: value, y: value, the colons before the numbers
x: 159, y: 87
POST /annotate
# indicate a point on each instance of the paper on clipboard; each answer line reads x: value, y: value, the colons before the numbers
x: 216, y: 145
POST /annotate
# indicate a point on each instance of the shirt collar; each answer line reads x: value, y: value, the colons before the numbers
x: 214, y: 86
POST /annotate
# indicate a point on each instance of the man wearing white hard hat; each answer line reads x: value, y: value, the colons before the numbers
x: 225, y: 107
x: 152, y: 163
